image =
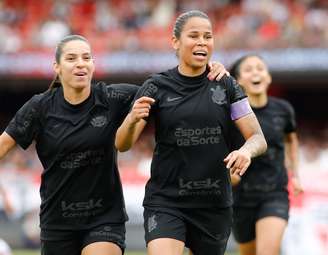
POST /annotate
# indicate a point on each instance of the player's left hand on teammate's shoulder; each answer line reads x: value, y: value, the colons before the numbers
x: 217, y: 71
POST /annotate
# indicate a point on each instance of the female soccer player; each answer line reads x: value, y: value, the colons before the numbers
x: 74, y: 125
x: 188, y: 197
x: 260, y: 199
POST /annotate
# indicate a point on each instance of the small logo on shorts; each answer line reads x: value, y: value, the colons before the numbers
x: 107, y: 228
x: 106, y: 232
x: 152, y: 223
x: 219, y: 96
x: 99, y: 121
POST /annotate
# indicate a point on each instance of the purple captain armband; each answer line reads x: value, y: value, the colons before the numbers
x: 240, y: 109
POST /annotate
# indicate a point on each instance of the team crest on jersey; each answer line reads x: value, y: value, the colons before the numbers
x: 219, y: 95
x: 99, y: 121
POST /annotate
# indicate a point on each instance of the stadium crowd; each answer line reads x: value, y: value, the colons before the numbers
x: 114, y: 25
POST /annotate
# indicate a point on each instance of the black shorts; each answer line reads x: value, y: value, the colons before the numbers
x: 245, y: 217
x: 63, y: 242
x: 204, y: 231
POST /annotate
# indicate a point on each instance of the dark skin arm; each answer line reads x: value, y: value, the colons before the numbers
x: 239, y: 160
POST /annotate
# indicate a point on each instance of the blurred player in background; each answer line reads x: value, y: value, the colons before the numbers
x: 188, y: 197
x: 261, y: 201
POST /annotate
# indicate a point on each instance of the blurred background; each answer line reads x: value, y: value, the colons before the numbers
x: 131, y: 39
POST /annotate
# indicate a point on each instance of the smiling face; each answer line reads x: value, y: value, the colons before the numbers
x: 254, y: 76
x: 75, y: 66
x: 194, y: 46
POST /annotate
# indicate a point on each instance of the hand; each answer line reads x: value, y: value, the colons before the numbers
x: 217, y: 71
x: 235, y: 179
x: 297, y: 187
x: 140, y: 109
x: 238, y: 161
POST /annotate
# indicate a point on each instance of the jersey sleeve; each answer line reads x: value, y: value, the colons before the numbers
x: 148, y: 89
x: 25, y: 125
x: 123, y: 95
x: 239, y: 105
x: 236, y: 92
x: 291, y: 119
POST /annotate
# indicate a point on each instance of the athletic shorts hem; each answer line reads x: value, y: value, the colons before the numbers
x: 121, y: 246
x: 272, y: 214
x: 163, y: 236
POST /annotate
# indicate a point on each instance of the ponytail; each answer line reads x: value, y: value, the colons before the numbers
x: 55, y: 83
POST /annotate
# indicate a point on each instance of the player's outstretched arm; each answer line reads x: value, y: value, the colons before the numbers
x: 239, y: 160
x: 131, y: 128
x: 6, y: 144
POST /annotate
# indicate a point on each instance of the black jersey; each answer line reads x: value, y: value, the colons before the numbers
x: 267, y: 173
x: 80, y: 185
x: 192, y: 120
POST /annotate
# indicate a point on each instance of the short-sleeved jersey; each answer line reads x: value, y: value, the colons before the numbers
x: 80, y: 184
x: 192, y: 120
x: 267, y: 173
